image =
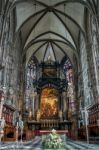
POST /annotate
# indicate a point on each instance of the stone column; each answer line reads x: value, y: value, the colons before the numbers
x: 60, y: 100
x: 60, y: 104
x: 33, y: 105
x: 91, y: 72
x: 38, y: 97
x: 64, y: 105
x: 37, y: 102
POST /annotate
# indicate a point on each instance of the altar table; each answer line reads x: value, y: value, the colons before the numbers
x: 57, y: 131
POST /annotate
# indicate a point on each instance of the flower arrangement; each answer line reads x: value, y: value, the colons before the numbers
x: 53, y: 141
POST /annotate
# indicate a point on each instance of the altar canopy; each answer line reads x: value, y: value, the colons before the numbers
x: 49, y: 103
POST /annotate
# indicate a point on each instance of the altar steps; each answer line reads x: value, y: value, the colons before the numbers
x: 36, y: 144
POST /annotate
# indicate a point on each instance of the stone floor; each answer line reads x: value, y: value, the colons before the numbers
x: 36, y: 144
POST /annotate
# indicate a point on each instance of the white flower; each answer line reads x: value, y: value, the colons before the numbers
x: 53, y: 131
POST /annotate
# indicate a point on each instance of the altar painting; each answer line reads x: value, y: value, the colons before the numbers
x: 49, y: 103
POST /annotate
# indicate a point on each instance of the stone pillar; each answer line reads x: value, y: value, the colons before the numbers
x: 91, y: 72
x: 38, y: 106
x: 37, y: 103
x: 64, y: 106
x: 60, y: 100
x: 38, y: 100
x: 33, y: 105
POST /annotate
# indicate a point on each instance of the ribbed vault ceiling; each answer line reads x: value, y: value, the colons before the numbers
x: 50, y: 27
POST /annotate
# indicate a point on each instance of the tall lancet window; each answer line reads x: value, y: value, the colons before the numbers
x: 68, y: 70
x: 30, y: 88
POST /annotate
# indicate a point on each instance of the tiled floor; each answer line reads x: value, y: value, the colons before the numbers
x: 36, y: 144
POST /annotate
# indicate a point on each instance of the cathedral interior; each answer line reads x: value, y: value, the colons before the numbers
x: 49, y: 68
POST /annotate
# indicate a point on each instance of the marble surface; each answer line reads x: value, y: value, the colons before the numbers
x: 36, y: 144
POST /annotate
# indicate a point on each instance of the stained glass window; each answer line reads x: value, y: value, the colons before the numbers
x: 30, y: 79
x: 68, y: 71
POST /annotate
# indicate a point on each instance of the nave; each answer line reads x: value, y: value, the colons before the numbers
x: 49, y: 72
x: 36, y: 144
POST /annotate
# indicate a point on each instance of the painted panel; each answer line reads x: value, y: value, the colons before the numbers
x: 49, y: 103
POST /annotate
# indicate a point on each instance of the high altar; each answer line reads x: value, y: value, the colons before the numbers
x: 51, y: 106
